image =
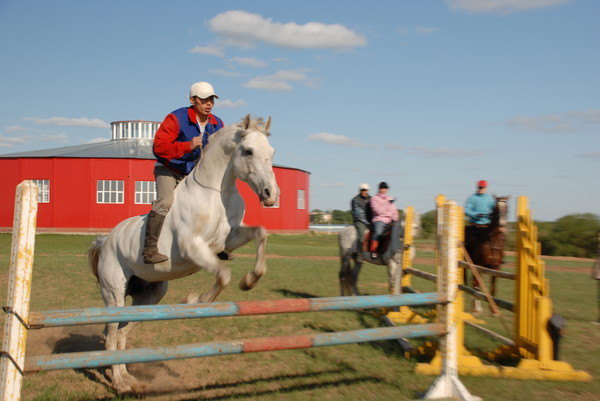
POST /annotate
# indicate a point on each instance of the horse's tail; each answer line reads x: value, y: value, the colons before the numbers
x: 94, y: 253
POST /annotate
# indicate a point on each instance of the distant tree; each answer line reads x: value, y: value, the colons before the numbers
x: 571, y: 235
x: 341, y: 217
x: 428, y: 227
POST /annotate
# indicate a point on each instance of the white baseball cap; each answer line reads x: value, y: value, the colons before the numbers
x: 364, y: 186
x: 203, y: 90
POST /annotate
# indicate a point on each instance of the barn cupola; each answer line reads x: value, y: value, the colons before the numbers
x: 133, y: 129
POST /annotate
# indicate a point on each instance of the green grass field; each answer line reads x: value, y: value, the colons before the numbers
x: 306, y: 267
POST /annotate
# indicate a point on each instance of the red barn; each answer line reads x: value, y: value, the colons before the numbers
x: 92, y: 187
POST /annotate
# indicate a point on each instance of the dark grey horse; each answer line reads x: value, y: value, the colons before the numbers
x: 352, y: 258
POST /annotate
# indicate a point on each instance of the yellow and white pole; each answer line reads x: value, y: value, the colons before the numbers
x: 19, y: 291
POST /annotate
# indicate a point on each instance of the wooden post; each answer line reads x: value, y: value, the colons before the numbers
x: 19, y: 291
x: 448, y: 385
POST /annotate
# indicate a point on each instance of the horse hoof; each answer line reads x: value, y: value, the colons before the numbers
x: 246, y: 284
x: 138, y: 389
x: 192, y: 298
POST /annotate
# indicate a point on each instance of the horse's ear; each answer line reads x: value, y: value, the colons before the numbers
x: 246, y: 122
x: 268, y: 125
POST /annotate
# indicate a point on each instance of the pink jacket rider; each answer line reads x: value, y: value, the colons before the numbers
x: 383, y: 209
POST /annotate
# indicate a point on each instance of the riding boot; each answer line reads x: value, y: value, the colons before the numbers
x: 374, y: 245
x: 373, y: 249
x: 154, y: 224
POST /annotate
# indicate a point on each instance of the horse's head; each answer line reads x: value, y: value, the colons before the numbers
x: 253, y: 159
x: 500, y: 212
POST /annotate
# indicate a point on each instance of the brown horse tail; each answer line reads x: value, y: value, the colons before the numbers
x: 94, y: 254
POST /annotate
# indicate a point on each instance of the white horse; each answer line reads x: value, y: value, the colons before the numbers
x: 205, y: 219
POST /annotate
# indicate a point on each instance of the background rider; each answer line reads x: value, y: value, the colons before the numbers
x: 478, y: 208
x: 358, y: 208
x: 384, y: 212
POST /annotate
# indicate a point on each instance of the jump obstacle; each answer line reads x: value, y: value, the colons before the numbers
x: 13, y: 364
x: 530, y: 342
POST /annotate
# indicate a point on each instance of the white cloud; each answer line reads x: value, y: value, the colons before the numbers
x: 226, y: 73
x: 590, y: 155
x: 9, y: 142
x: 573, y: 121
x: 248, y: 61
x: 231, y: 104
x: 501, y: 6
x: 54, y: 138
x: 96, y: 140
x: 210, y: 50
x: 334, y: 139
x: 435, y: 152
x: 280, y: 81
x: 243, y: 28
x: 402, y: 30
x: 268, y: 84
x: 334, y: 185
x: 423, y: 30
x: 72, y: 122
x: 15, y: 128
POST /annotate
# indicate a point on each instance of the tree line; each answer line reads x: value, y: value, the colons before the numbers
x: 571, y: 235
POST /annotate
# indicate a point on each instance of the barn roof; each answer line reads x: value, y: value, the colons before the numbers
x: 113, y: 149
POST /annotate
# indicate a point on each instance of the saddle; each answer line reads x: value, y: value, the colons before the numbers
x: 389, y: 244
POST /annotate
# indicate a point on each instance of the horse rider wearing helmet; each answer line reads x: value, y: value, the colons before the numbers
x: 358, y: 207
x: 478, y: 209
x: 178, y: 145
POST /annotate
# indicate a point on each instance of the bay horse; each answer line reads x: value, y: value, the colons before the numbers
x: 205, y: 219
x: 485, y: 243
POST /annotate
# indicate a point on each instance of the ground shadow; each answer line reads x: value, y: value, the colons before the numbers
x: 294, y: 294
x: 317, y: 383
x: 76, y: 342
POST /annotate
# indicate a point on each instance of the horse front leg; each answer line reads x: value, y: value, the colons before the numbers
x: 201, y: 255
x: 394, y: 277
x: 242, y: 235
x: 355, y: 274
x: 493, y: 286
x: 345, y: 275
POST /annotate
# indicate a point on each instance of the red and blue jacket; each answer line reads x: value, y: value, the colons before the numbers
x: 172, y: 141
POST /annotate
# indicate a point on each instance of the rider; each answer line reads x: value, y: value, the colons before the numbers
x: 384, y: 213
x: 358, y: 208
x: 478, y: 208
x: 178, y: 144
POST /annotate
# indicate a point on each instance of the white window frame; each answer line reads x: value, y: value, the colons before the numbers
x: 43, y: 190
x: 105, y: 189
x: 301, y: 199
x: 145, y: 191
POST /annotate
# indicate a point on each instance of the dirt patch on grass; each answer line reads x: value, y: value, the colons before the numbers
x: 423, y: 261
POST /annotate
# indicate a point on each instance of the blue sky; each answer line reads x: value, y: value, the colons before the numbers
x: 429, y: 96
